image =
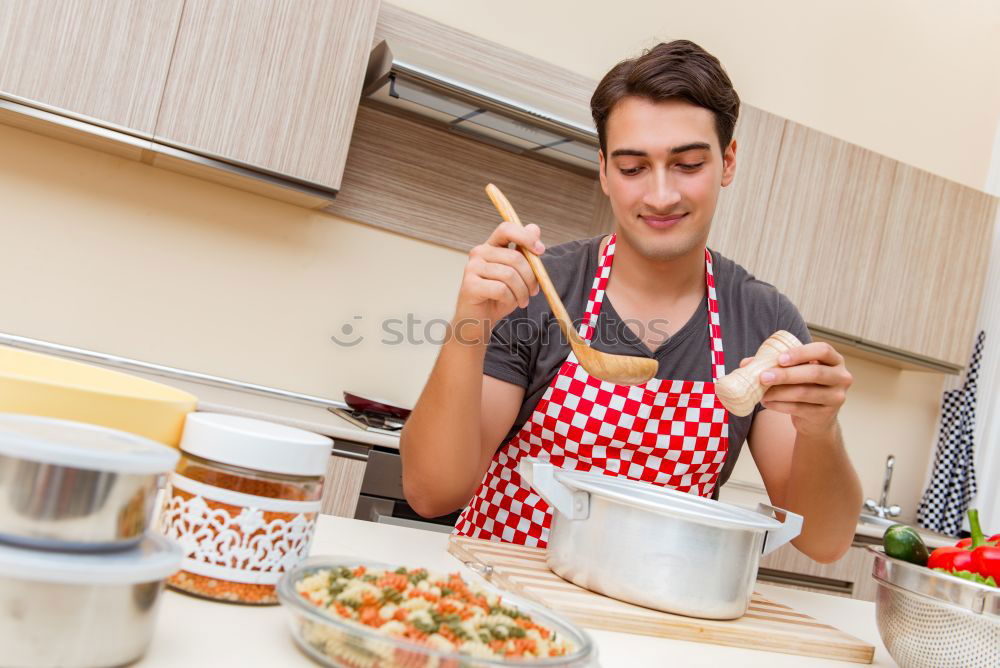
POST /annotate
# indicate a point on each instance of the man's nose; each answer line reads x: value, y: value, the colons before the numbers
x: 663, y: 195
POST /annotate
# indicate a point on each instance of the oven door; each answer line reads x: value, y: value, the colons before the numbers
x: 382, y: 498
x: 398, y: 513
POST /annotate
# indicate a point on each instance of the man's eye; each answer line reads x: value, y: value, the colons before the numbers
x: 690, y: 167
x: 629, y: 171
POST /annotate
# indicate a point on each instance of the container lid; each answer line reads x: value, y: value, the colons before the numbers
x: 155, y: 558
x: 80, y: 445
x: 665, y: 501
x: 256, y: 444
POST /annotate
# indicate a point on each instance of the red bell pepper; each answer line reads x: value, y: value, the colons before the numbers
x: 951, y: 559
x: 985, y: 556
x: 967, y: 542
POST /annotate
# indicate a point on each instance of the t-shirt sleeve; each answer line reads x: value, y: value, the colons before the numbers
x: 790, y: 320
x: 509, y: 354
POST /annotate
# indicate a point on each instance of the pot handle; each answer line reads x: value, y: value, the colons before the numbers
x: 541, y: 476
x: 790, y: 527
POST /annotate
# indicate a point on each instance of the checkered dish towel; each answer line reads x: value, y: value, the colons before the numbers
x: 953, y: 482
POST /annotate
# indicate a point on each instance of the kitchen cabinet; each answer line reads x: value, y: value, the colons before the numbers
x: 878, y: 256
x: 848, y: 576
x: 824, y: 224
x: 739, y: 221
x: 269, y: 85
x: 928, y: 279
x: 408, y: 176
x: 342, y: 485
x: 105, y: 60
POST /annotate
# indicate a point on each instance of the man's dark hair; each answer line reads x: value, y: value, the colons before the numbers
x: 678, y: 70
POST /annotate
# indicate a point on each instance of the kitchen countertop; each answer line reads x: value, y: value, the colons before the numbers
x: 196, y: 632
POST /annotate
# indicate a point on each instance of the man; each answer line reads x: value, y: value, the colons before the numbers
x: 507, y: 387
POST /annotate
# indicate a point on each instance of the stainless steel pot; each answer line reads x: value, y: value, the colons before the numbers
x: 81, y: 610
x: 653, y: 546
x: 71, y: 486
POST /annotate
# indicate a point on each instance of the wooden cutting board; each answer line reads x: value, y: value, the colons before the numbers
x: 766, y: 625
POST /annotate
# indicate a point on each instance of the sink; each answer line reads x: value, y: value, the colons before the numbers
x: 931, y: 539
x: 875, y: 520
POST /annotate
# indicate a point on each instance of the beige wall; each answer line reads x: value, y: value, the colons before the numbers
x: 113, y: 255
x: 916, y: 80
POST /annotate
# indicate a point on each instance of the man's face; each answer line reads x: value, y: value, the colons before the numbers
x: 662, y: 172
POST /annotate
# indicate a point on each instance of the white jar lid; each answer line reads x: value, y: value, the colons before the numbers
x: 80, y: 445
x: 155, y: 558
x: 256, y: 444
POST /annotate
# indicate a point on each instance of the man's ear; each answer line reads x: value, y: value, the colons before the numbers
x: 729, y: 164
x: 602, y: 171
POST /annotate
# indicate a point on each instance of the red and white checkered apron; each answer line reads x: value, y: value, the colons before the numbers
x: 673, y: 433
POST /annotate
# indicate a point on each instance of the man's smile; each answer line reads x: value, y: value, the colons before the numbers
x: 662, y: 222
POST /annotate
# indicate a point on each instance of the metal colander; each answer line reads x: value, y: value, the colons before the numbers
x: 932, y: 620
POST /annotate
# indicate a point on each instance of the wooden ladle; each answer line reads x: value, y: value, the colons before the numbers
x: 618, y: 369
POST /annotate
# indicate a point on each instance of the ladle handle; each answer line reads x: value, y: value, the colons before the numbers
x: 507, y: 212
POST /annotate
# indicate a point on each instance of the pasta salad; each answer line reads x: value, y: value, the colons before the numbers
x: 440, y: 612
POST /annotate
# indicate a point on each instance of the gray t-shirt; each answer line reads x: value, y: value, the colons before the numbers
x: 527, y: 349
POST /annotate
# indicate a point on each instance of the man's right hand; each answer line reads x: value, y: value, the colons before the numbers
x: 498, y: 279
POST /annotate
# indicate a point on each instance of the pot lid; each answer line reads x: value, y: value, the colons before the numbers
x: 154, y: 558
x: 665, y: 501
x: 80, y: 445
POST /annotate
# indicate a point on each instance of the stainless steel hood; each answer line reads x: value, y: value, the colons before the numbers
x: 492, y: 111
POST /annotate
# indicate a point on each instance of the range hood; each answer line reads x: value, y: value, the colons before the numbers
x: 491, y: 111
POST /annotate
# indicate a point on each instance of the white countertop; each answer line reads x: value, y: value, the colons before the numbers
x: 194, y: 632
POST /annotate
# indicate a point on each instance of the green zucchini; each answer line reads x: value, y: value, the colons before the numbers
x: 903, y: 542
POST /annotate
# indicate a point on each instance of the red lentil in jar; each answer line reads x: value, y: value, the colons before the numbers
x: 242, y: 503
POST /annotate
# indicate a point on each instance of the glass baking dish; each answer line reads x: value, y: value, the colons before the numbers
x: 337, y: 642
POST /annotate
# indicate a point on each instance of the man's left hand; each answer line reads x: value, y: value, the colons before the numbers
x: 810, y: 385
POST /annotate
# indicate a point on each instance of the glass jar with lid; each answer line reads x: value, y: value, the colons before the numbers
x: 243, y: 503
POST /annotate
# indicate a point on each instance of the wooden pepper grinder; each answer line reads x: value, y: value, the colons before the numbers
x: 740, y: 390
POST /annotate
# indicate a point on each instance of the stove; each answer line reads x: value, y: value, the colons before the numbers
x: 377, y: 423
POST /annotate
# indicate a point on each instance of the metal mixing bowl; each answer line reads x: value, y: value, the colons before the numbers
x: 929, y: 619
x: 71, y: 486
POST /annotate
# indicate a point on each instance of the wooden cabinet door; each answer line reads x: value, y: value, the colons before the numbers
x: 930, y: 271
x: 341, y: 486
x: 104, y: 59
x: 273, y: 85
x: 739, y: 218
x: 823, y: 232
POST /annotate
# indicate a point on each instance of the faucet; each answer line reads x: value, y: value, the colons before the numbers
x: 880, y: 509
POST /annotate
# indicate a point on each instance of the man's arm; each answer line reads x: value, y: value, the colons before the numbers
x: 462, y: 415
x: 448, y: 443
x: 798, y: 447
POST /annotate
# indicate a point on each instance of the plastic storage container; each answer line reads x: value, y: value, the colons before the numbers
x: 243, y: 503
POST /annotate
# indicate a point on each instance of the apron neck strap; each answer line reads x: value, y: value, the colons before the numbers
x: 599, y: 288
